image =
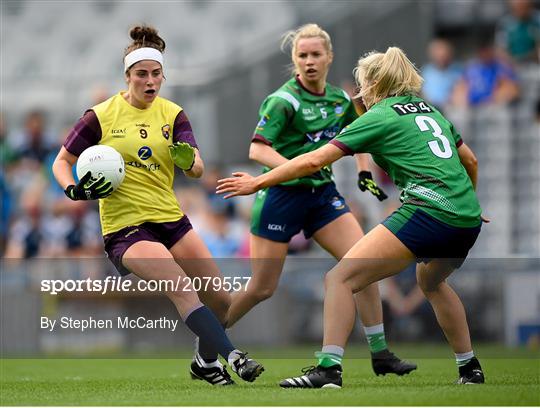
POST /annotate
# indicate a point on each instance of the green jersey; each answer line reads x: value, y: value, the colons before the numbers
x: 417, y: 147
x: 295, y: 121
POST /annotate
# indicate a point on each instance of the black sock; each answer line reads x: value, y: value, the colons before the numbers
x: 211, y: 333
x: 206, y: 351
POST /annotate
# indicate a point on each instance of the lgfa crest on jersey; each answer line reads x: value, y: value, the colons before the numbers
x: 262, y: 122
x: 166, y: 131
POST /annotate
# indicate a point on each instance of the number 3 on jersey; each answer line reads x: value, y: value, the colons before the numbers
x: 425, y: 124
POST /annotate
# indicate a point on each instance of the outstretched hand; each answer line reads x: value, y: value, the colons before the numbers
x: 240, y: 184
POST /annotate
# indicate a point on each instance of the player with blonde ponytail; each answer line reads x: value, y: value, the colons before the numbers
x: 388, y: 74
x: 303, y: 115
x: 436, y: 225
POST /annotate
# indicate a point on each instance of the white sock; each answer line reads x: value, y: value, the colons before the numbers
x: 204, y: 364
x: 378, y: 328
x: 463, y: 358
x: 338, y: 351
x: 233, y: 356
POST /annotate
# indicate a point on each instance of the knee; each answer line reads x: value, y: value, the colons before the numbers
x: 332, y: 278
x: 353, y: 282
x: 328, y: 280
x: 264, y: 293
x: 261, y: 293
x: 428, y: 286
x: 218, y: 302
x: 220, y: 305
x: 182, y: 298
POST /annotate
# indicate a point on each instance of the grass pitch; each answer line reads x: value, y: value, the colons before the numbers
x: 513, y: 378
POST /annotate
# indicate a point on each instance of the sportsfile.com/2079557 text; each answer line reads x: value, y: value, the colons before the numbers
x: 117, y: 284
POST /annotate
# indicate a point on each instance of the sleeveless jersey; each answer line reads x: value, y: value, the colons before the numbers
x: 417, y: 147
x: 295, y: 121
x: 142, y: 137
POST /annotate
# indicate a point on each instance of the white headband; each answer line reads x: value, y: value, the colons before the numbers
x: 141, y: 54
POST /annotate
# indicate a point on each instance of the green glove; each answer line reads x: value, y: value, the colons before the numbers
x: 183, y: 155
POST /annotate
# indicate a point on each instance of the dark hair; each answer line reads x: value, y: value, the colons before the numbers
x: 144, y: 36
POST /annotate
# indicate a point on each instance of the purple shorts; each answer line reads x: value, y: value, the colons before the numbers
x: 168, y: 233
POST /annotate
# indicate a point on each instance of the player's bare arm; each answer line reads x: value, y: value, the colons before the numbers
x: 62, y: 166
x: 300, y: 166
x: 362, y: 162
x: 469, y: 161
x: 265, y: 155
x: 198, y: 167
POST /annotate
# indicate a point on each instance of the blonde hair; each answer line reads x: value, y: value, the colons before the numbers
x: 388, y: 74
x: 311, y: 30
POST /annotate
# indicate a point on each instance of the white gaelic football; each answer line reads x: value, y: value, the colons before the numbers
x: 104, y: 161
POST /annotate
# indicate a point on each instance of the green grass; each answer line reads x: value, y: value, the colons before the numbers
x: 512, y: 379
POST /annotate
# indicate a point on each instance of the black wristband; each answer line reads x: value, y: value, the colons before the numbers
x: 70, y: 193
x: 365, y: 174
x: 192, y: 164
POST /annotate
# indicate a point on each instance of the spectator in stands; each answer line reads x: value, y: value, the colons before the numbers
x: 34, y: 143
x: 62, y: 228
x: 410, y: 312
x: 209, y: 184
x: 441, y: 74
x: 220, y: 232
x: 5, y: 212
x: 7, y: 155
x: 72, y: 229
x: 518, y: 33
x: 486, y: 80
x: 26, y: 238
x: 54, y: 191
x: 194, y: 202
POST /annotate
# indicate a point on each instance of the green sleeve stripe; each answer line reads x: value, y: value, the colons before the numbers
x: 346, y: 95
x: 288, y: 97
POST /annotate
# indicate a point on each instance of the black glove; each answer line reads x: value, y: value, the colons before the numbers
x: 89, y: 189
x: 366, y: 182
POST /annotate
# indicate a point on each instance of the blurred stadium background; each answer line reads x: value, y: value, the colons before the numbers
x: 222, y: 58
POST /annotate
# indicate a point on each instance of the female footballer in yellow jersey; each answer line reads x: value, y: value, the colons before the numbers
x: 144, y: 230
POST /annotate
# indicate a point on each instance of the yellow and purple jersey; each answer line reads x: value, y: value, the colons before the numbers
x: 142, y: 137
